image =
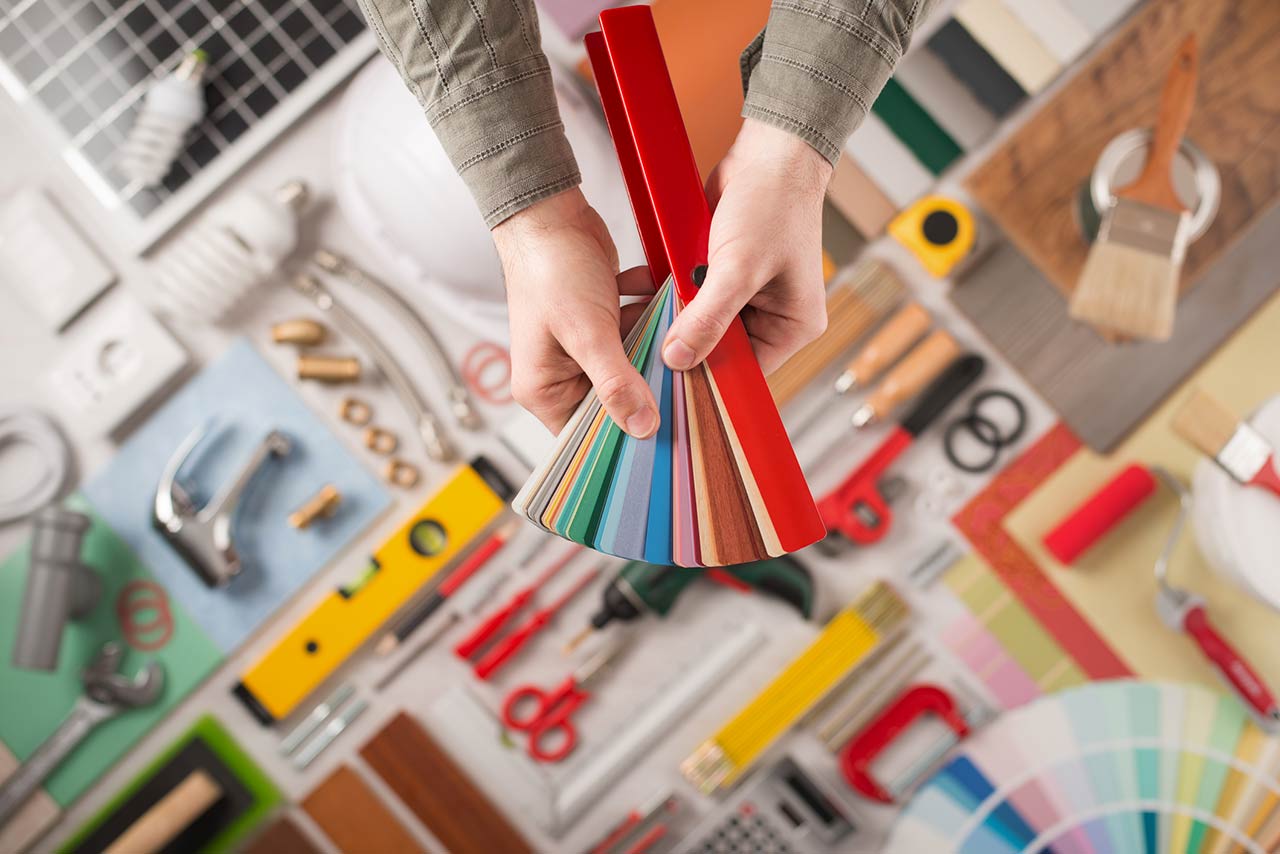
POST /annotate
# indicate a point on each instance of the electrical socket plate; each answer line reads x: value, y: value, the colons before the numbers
x: 119, y: 357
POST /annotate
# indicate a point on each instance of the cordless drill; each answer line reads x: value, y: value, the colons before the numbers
x: 647, y: 588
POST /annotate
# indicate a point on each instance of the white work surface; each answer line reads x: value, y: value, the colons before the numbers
x: 27, y: 159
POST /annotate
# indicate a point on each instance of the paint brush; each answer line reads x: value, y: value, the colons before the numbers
x: 1237, y: 447
x: 1129, y: 285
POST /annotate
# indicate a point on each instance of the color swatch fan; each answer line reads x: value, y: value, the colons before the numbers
x: 1110, y: 767
x: 719, y: 483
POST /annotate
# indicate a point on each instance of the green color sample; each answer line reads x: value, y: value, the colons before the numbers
x: 915, y: 128
x: 597, y: 472
x: 46, y: 698
x: 265, y: 794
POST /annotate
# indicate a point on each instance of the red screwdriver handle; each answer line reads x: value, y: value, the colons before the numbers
x: 492, y: 624
x: 502, y: 651
x: 1231, y: 665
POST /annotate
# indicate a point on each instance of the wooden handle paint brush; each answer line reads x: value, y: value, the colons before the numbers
x: 1129, y: 285
x: 921, y: 366
x: 893, y: 339
x: 1233, y: 444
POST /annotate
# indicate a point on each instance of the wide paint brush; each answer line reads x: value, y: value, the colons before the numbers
x: 1129, y: 285
x: 1233, y: 444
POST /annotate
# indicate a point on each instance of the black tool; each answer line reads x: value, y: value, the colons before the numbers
x: 647, y: 588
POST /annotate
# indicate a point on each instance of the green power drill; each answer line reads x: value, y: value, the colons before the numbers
x: 648, y: 588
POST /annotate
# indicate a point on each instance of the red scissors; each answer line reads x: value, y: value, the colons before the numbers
x: 547, y: 715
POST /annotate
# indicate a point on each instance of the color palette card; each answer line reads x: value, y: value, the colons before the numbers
x: 1110, y: 767
x: 653, y: 499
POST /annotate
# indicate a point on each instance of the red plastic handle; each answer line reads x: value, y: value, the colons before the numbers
x: 492, y: 624
x: 1231, y: 664
x: 1268, y: 477
x: 843, y: 507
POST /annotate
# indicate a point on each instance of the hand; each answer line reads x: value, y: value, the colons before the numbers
x: 563, y: 289
x: 765, y: 254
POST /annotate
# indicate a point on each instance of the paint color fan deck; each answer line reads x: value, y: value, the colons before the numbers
x: 1120, y: 767
x: 689, y: 495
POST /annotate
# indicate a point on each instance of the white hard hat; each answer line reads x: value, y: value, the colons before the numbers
x: 401, y: 195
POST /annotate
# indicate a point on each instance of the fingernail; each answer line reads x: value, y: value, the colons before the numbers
x: 677, y: 355
x: 642, y: 423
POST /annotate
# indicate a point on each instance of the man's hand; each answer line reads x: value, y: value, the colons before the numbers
x: 765, y: 253
x: 563, y: 289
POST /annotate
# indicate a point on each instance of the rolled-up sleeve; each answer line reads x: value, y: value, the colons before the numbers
x: 819, y: 65
x: 478, y: 70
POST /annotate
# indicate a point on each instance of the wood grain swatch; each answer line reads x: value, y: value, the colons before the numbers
x: 438, y: 792
x: 282, y: 836
x: 735, y: 538
x: 859, y: 198
x: 1101, y: 390
x: 353, y: 817
x: 1029, y: 184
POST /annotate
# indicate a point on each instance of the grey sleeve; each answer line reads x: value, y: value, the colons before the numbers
x: 478, y: 70
x: 819, y: 65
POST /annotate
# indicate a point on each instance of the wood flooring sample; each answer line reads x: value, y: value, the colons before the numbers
x: 1029, y: 185
x: 351, y: 815
x: 282, y: 836
x: 438, y: 792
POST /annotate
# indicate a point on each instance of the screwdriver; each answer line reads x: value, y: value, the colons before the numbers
x: 921, y: 366
x: 907, y: 326
x: 493, y: 624
x: 423, y: 611
x: 502, y: 651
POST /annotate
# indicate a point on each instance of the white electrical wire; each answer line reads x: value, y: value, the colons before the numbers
x: 28, y: 427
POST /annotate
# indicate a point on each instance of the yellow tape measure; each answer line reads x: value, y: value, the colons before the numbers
x: 939, y: 231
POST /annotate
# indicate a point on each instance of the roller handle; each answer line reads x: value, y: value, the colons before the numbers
x: 1232, y: 666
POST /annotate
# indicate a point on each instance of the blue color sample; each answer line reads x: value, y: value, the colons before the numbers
x: 657, y: 543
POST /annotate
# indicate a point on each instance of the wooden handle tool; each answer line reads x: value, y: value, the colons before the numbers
x: 1154, y: 186
x: 899, y: 332
x: 171, y: 815
x: 921, y: 366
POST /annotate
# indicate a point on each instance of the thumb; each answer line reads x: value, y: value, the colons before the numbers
x: 701, y: 323
x: 622, y: 391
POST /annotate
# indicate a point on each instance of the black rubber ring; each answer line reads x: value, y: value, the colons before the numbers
x: 975, y: 424
x: 1019, y: 409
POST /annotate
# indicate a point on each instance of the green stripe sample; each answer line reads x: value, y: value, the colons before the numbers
x: 917, y: 130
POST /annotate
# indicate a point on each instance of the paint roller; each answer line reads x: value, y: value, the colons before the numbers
x: 1099, y: 513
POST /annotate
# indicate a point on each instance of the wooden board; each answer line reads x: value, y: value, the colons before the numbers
x: 282, y: 836
x: 30, y: 822
x: 1103, y: 390
x: 353, y: 817
x: 438, y: 792
x: 1029, y: 184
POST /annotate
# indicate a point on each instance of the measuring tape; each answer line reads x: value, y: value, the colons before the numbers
x: 939, y: 232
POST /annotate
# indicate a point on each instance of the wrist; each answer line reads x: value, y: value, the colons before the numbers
x: 764, y: 143
x: 566, y: 208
